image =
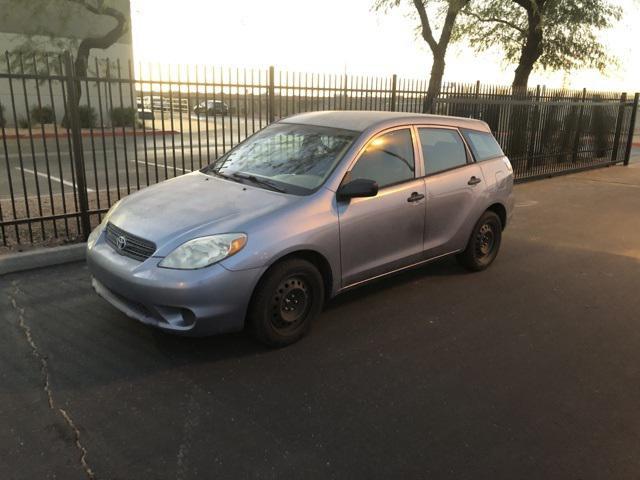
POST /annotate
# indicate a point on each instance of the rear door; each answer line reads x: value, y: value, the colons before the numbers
x: 454, y: 188
x: 382, y: 233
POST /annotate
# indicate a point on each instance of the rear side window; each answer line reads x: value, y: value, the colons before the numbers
x: 442, y: 149
x: 483, y: 145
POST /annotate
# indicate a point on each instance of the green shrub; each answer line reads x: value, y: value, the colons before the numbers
x: 571, y: 123
x: 87, y: 116
x: 3, y: 122
x: 551, y: 127
x: 23, y: 123
x: 43, y: 115
x: 602, y: 120
x: 123, y: 117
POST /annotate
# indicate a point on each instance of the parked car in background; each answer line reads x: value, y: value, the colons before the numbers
x: 144, y: 113
x: 309, y: 207
x: 211, y: 107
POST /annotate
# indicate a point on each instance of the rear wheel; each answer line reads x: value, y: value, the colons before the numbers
x: 483, y: 244
x: 286, y: 301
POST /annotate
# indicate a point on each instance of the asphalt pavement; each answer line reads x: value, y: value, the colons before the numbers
x: 529, y: 370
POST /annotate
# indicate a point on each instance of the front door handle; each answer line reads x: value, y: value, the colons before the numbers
x: 415, y: 196
x: 474, y: 181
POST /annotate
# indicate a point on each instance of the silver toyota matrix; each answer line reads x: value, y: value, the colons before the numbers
x: 302, y: 210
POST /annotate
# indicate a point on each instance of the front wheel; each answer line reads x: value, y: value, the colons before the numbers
x: 285, y: 302
x: 483, y: 244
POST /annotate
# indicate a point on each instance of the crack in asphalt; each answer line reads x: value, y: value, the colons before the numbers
x: 44, y: 371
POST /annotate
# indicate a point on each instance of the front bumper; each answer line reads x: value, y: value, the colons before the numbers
x: 190, y: 302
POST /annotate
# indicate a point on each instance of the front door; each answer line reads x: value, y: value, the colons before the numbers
x: 383, y: 233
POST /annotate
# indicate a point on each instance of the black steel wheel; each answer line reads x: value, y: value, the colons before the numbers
x: 485, y: 240
x: 484, y: 243
x: 287, y: 299
x: 290, y: 303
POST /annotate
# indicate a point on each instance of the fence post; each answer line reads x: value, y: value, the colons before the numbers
x: 534, y: 131
x: 394, y: 83
x: 345, y: 79
x: 632, y: 127
x: 616, y: 138
x: 476, y: 96
x: 272, y: 94
x: 576, y: 140
x: 73, y: 120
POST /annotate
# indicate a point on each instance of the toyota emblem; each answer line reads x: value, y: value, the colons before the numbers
x: 121, y: 242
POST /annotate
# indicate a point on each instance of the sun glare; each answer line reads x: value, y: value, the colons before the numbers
x: 338, y: 37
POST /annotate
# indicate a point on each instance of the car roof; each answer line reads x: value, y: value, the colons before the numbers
x: 364, y: 120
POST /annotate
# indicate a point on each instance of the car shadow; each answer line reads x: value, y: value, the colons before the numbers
x: 101, y: 345
x: 446, y: 266
x: 240, y: 344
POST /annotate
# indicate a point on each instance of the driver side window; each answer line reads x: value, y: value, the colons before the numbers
x: 388, y: 159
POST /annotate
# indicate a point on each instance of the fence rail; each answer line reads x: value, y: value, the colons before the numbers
x: 71, y: 146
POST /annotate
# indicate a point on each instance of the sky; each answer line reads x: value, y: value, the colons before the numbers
x: 337, y: 36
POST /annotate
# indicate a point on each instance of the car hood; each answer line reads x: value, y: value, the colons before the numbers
x: 194, y: 205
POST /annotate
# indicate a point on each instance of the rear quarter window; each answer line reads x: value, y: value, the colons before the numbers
x: 483, y: 145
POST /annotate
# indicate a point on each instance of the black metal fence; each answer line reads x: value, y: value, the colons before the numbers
x: 547, y: 132
x: 71, y: 147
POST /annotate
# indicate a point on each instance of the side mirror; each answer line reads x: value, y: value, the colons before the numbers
x: 360, y: 187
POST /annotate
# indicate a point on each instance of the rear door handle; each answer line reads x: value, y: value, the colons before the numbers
x: 474, y: 181
x: 415, y: 196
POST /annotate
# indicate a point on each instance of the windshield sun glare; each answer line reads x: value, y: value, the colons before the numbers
x: 293, y: 158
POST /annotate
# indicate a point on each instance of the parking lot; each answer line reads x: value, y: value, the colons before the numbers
x: 529, y: 370
x: 188, y: 143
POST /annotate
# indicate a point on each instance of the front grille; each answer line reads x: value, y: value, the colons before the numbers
x: 129, y: 245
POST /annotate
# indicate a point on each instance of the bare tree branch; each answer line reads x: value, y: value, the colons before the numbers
x: 102, y: 42
x: 526, y: 4
x: 427, y: 33
x: 450, y: 19
x: 498, y: 20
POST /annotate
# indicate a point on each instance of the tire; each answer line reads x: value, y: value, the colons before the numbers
x: 287, y: 299
x: 484, y: 243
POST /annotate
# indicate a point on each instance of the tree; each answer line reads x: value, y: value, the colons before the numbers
x: 43, y: 37
x: 447, y: 12
x: 102, y: 42
x: 551, y: 34
x: 98, y: 7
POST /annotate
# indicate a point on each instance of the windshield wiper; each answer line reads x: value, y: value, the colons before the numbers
x: 218, y: 173
x: 257, y: 181
x: 211, y: 169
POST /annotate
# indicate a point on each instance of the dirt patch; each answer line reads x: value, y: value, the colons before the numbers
x: 37, y: 233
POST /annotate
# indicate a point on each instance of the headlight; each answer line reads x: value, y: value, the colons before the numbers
x: 204, y: 251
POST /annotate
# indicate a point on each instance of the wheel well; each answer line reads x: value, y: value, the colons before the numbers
x: 499, y: 210
x: 319, y: 261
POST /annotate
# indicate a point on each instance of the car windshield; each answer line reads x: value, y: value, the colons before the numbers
x: 287, y: 157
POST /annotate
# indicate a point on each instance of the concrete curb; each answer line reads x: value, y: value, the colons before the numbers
x: 43, y: 257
